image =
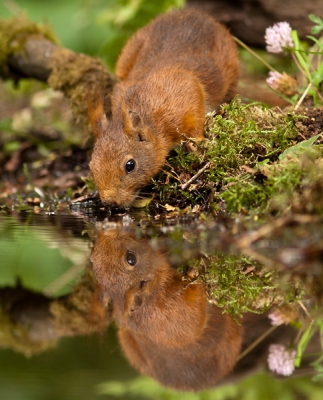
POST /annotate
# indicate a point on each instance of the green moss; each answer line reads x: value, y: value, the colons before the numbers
x: 277, y: 186
x: 16, y: 31
x: 242, y: 158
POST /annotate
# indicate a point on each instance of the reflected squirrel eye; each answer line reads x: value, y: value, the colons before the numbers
x: 130, y: 166
x: 131, y: 258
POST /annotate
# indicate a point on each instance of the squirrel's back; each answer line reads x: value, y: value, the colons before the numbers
x: 172, y: 72
x: 184, y: 40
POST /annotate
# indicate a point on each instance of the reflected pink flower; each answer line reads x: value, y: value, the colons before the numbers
x: 276, y: 318
x: 283, y: 315
x: 278, y: 36
x: 281, y: 360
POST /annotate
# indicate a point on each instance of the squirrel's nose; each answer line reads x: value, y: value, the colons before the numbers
x: 112, y: 204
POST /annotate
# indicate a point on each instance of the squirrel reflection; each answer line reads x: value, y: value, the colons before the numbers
x: 167, y: 328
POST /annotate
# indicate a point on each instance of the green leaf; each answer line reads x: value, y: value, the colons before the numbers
x: 318, y: 42
x: 301, y: 56
x: 9, y: 147
x: 315, y: 19
x: 299, y: 148
x: 316, y: 29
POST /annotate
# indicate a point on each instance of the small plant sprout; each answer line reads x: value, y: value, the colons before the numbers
x: 281, y: 359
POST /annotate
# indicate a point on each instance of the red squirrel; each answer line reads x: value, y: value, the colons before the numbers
x: 167, y: 328
x: 172, y: 71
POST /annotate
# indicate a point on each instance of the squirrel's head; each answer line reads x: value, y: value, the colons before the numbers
x: 126, y: 154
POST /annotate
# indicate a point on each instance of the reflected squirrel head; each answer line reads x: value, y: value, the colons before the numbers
x: 148, y: 295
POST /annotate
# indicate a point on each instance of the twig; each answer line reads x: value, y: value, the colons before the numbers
x: 268, y: 262
x: 318, y: 93
x: 200, y: 172
x: 90, y: 196
x: 304, y: 308
x: 257, y: 341
x: 246, y: 240
x: 63, y: 280
x: 300, y: 101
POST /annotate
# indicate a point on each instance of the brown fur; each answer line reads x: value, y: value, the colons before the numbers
x: 172, y: 72
x: 167, y: 328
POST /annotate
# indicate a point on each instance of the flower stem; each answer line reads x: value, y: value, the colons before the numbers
x: 302, y: 59
x: 257, y: 341
x: 254, y: 54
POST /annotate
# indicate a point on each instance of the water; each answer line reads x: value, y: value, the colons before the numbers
x: 40, y: 359
x: 60, y: 339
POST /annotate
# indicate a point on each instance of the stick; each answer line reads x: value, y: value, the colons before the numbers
x: 200, y: 172
x: 303, y: 96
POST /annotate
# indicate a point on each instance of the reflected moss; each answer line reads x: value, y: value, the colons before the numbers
x: 17, y: 336
x: 238, y: 284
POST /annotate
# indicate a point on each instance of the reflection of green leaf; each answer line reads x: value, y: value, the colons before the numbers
x: 146, y: 387
x: 259, y: 386
x: 28, y: 258
x: 6, y: 124
x: 299, y: 148
x: 303, y: 342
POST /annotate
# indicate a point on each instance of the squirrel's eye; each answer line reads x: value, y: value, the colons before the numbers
x: 130, y: 166
x: 131, y: 258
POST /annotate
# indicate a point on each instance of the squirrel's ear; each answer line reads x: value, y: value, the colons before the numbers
x: 97, y: 116
x: 132, y: 118
x: 136, y: 303
x: 135, y: 119
x: 132, y: 121
x: 130, y: 94
x: 98, y: 315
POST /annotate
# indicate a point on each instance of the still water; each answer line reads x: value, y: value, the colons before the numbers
x: 87, y: 305
x: 44, y: 258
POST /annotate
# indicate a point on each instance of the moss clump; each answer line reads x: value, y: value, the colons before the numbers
x: 242, y: 160
x: 276, y: 187
x: 80, y: 78
x: 16, y: 335
x: 15, y: 32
